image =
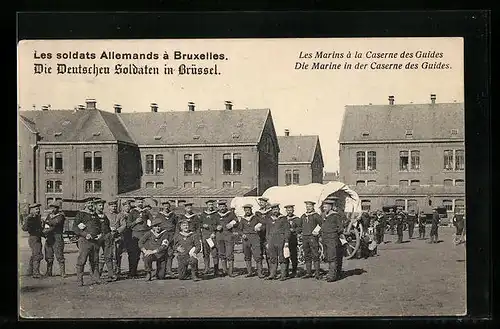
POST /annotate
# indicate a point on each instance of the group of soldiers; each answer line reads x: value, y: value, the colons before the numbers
x: 265, y: 233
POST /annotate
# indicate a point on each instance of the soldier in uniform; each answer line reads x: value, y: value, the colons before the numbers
x: 168, y: 223
x: 187, y: 245
x: 118, y: 226
x: 293, y: 244
x: 138, y: 224
x: 249, y: 227
x: 391, y: 220
x: 33, y: 225
x: 277, y: 235
x: 154, y: 246
x: 54, y: 242
x: 208, y: 223
x: 263, y: 212
x: 434, y: 226
x: 191, y: 218
x: 331, y: 230
x: 400, y: 219
x: 365, y: 221
x: 411, y: 219
x: 105, y: 242
x: 88, y: 227
x: 458, y: 221
x: 226, y: 232
x: 380, y: 225
x: 310, y: 239
x: 421, y: 225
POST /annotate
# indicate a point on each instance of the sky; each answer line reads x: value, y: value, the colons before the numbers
x: 258, y: 73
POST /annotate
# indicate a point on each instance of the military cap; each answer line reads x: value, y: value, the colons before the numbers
x: 148, y: 206
x: 164, y: 203
x: 263, y: 198
x: 113, y: 202
x: 156, y: 221
x: 247, y: 206
x: 274, y: 205
x: 220, y: 202
x: 289, y: 206
x: 34, y: 205
x: 188, y: 204
x: 332, y: 198
x: 329, y: 201
x: 435, y: 208
x: 139, y: 198
x: 97, y: 200
x: 210, y: 201
x: 310, y: 202
x: 55, y: 204
x: 126, y: 202
x: 183, y: 221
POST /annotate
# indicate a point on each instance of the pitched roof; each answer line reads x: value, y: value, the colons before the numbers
x: 297, y: 148
x: 410, y: 190
x: 196, y: 127
x: 76, y: 126
x: 188, y: 192
x: 390, y: 122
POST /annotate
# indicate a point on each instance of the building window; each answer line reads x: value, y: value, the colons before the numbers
x: 403, y: 160
x: 231, y: 163
x: 415, y: 160
x: 192, y: 164
x: 159, y: 163
x: 448, y: 160
x: 459, y: 160
x: 54, y: 186
x: 92, y: 161
x: 149, y: 164
x: 237, y: 184
x: 360, y: 183
x: 365, y: 205
x: 414, y: 182
x: 226, y: 184
x: 154, y: 164
x: 448, y: 182
x: 188, y: 184
x: 372, y: 160
x: 295, y: 176
x: 54, y: 162
x: 360, y: 160
x: 413, y: 205
x: 93, y: 186
x: 372, y: 182
x: 401, y: 203
x: 403, y: 183
x: 50, y: 200
x: 448, y: 204
x: 288, y: 177
x: 459, y: 182
x: 197, y: 184
x: 150, y: 185
x: 159, y: 184
x: 459, y: 205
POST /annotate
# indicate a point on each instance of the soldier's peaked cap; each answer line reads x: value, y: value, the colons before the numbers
x: 100, y: 201
x: 329, y: 201
x: 221, y: 202
x: 188, y: 204
x: 139, y: 198
x: 164, y: 203
x: 247, y: 206
x: 263, y: 198
x: 112, y: 202
x: 310, y: 202
x: 209, y: 201
x: 289, y: 206
x: 34, y: 205
x: 332, y: 198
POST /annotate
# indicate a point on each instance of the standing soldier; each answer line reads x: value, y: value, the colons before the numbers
x: 293, y: 243
x: 191, y: 218
x: 277, y: 235
x: 226, y: 231
x: 421, y: 225
x: 434, y: 226
x: 169, y: 224
x: 54, y: 242
x: 458, y: 221
x: 187, y: 245
x: 263, y: 212
x: 209, y: 222
x: 105, y: 242
x: 380, y: 225
x: 249, y: 227
x: 33, y: 225
x: 331, y: 230
x: 118, y: 225
x: 411, y: 219
x: 400, y: 220
x: 88, y: 227
x: 310, y: 239
x: 154, y: 246
x: 390, y: 220
x: 365, y: 221
x: 138, y: 224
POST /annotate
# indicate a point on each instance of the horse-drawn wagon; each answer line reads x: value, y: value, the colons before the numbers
x: 349, y: 203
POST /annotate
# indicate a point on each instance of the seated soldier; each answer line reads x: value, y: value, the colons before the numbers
x: 154, y: 246
x: 187, y: 245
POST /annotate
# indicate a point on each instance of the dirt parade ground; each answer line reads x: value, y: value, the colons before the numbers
x: 409, y: 279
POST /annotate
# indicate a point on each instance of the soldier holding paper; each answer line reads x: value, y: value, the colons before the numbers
x: 226, y: 231
x: 293, y: 244
x: 310, y: 226
x: 54, y: 242
x: 208, y: 223
x: 250, y: 226
x: 277, y: 235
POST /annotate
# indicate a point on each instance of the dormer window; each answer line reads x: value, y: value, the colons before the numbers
x: 201, y: 125
x: 196, y: 137
x: 365, y: 134
x: 57, y: 134
x: 454, y: 131
x: 163, y: 125
x: 236, y: 135
x: 96, y: 133
x: 239, y: 124
x: 157, y: 137
x: 409, y: 133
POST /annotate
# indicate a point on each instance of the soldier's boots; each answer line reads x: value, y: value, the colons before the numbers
x: 308, y: 271
x: 287, y: 268
x: 111, y: 273
x: 224, y: 267
x: 118, y: 266
x: 330, y: 277
x: 149, y: 276
x: 230, y: 271
x: 206, y: 269
x: 284, y: 272
x: 96, y: 277
x: 29, y: 272
x: 216, y: 269
x: 249, y: 269
x: 259, y: 270
x: 49, y: 269
x: 79, y: 275
x: 272, y: 271
x: 294, y: 271
x: 194, y: 273
x: 317, y: 274
x: 101, y: 268
x: 36, y: 269
x: 62, y: 270
x: 168, y: 270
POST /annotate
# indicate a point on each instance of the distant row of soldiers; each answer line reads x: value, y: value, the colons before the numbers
x: 265, y: 233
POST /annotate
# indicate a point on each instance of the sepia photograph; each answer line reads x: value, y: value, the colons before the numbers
x: 188, y: 178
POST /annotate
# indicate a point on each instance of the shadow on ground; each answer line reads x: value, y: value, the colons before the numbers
x: 28, y: 289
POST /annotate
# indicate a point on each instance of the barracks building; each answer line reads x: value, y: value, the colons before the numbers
x: 70, y: 155
x: 411, y: 155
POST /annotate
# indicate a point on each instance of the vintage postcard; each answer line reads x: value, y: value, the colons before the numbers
x: 191, y: 178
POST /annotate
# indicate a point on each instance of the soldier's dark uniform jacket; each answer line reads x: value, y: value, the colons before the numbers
x: 187, y: 241
x: 193, y: 223
x: 87, y: 223
x: 208, y: 223
x: 137, y: 231
x: 169, y: 221
x: 225, y: 237
x: 33, y: 225
x: 434, y: 226
x: 331, y: 229
x: 90, y: 221
x: 54, y: 243
x: 400, y: 220
x: 263, y: 213
x: 458, y: 221
x: 56, y: 223
x: 153, y: 241
x: 277, y: 234
x: 421, y: 225
x: 411, y: 219
x: 251, y: 242
x: 310, y: 243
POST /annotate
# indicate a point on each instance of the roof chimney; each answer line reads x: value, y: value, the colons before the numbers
x: 90, y: 102
x: 287, y: 132
x: 229, y: 105
x: 118, y: 108
x: 433, y: 98
x: 154, y: 107
x: 191, y: 106
x: 81, y: 107
x: 391, y: 100
x: 45, y: 107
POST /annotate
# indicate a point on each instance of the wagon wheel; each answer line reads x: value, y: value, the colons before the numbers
x: 353, y: 241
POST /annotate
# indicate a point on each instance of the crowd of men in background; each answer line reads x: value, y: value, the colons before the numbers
x: 265, y: 233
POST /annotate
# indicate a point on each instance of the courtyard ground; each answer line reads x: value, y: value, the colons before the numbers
x: 410, y: 279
